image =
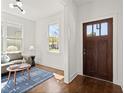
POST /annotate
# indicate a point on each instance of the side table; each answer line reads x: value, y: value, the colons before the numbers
x: 33, y: 61
x: 18, y: 67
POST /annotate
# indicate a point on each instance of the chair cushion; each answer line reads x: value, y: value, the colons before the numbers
x: 14, y: 56
x: 6, y: 64
x: 4, y: 58
x: 16, y: 61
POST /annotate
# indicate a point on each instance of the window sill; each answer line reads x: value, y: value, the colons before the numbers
x: 52, y: 51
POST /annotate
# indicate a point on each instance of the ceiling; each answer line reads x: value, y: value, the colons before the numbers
x: 34, y: 8
x: 81, y: 2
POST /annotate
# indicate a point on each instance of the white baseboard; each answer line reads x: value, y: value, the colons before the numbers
x: 102, y: 80
x: 73, y: 77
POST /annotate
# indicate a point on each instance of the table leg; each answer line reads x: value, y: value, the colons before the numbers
x: 15, y: 78
x: 22, y: 72
x: 28, y: 69
x: 9, y: 75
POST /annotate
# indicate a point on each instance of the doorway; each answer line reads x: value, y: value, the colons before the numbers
x: 97, y: 49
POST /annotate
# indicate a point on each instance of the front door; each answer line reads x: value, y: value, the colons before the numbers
x: 97, y: 49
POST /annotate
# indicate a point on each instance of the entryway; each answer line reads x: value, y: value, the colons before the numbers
x: 97, y: 49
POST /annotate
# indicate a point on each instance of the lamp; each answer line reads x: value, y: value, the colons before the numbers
x: 31, y: 49
x: 23, y: 11
x: 11, y: 5
x: 18, y: 5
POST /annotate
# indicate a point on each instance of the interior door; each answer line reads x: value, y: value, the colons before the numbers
x: 97, y: 49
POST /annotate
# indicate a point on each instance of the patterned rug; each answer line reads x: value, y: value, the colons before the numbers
x: 37, y: 76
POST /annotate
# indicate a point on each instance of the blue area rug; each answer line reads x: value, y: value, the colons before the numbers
x: 37, y: 76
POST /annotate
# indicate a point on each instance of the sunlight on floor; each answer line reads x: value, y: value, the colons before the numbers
x: 58, y: 76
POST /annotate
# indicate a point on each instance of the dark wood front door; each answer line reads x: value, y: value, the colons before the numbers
x: 97, y: 49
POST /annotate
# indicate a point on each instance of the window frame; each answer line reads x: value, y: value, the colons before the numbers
x: 12, y: 24
x: 54, y: 23
x: 100, y: 30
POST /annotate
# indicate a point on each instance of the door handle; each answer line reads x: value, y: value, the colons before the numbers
x: 84, y: 52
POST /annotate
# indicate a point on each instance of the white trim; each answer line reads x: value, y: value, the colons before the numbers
x: 115, y: 43
x: 73, y: 77
x: 100, y: 79
x: 55, y: 23
x: 60, y: 33
x: 5, y: 24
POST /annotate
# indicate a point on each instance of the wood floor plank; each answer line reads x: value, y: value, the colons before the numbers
x: 80, y: 84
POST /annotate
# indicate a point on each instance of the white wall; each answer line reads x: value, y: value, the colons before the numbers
x: 44, y: 57
x: 28, y: 29
x: 70, y: 57
x: 70, y: 43
x: 101, y: 9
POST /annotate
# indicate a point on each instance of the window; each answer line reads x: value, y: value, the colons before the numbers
x: 11, y: 38
x: 96, y: 30
x: 89, y: 30
x: 100, y: 29
x: 53, y: 32
x: 104, y: 28
x: 2, y: 38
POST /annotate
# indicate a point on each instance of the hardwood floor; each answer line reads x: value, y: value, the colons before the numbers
x: 80, y: 84
x: 50, y: 69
